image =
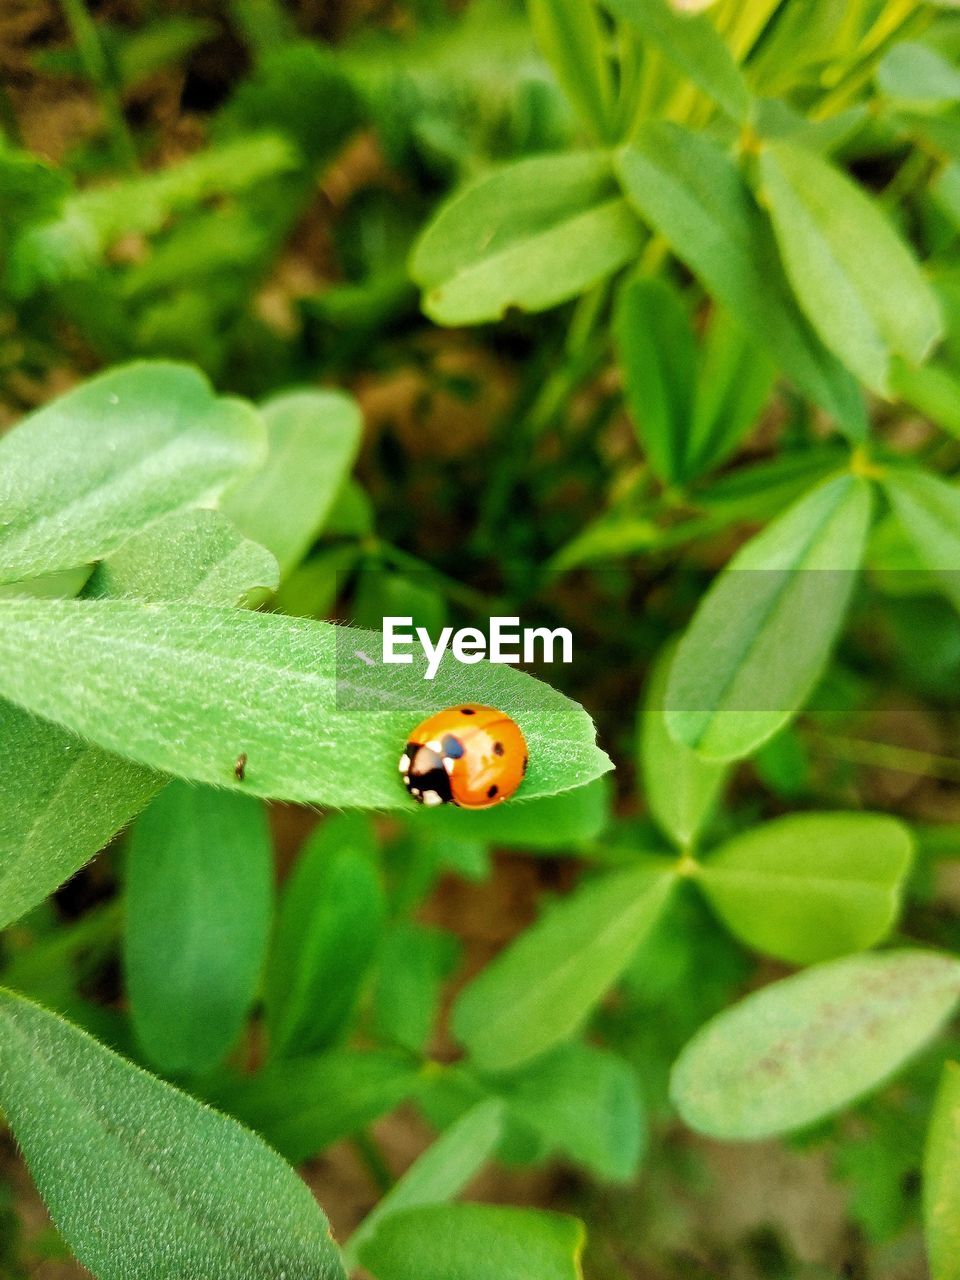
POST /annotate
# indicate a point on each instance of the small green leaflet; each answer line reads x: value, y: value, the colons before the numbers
x: 941, y: 1179
x: 800, y: 1049
x: 928, y: 509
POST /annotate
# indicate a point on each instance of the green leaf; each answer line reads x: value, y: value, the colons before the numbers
x: 802, y: 1048
x: 414, y: 962
x: 304, y: 1105
x: 928, y: 510
x: 857, y: 281
x: 657, y: 352
x: 690, y: 190
x: 693, y: 44
x: 553, y: 822
x: 680, y: 787
x: 529, y: 235
x: 140, y: 1179
x: 541, y: 990
x: 941, y: 1179
x: 328, y: 927
x: 187, y: 555
x: 312, y: 438
x: 187, y: 688
x: 762, y: 635
x: 62, y: 800
x: 441, y: 1173
x: 811, y: 886
x: 82, y: 474
x: 570, y: 35
x: 198, y: 904
x: 432, y: 1243
x: 917, y: 76
x: 584, y: 1102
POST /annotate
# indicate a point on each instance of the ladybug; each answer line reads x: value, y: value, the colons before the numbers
x: 468, y: 755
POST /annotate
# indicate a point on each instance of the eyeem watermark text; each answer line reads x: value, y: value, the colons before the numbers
x: 507, y: 642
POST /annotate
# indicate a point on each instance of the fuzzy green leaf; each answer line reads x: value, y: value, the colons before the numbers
x: 802, y: 1048
x: 312, y: 439
x: 541, y: 990
x: 141, y: 1179
x: 432, y: 1243
x: 187, y: 688
x: 81, y: 475
x: 762, y: 635
x: 811, y: 886
x: 857, y: 281
x: 199, y: 896
x: 530, y: 235
x: 552, y: 823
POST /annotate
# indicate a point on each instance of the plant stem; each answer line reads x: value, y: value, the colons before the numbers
x: 372, y: 1157
x: 885, y: 755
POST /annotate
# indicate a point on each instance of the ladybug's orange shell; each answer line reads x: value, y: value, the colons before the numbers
x: 494, y: 756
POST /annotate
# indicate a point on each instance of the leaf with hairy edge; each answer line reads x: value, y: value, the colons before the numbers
x: 187, y: 688
x: 82, y: 474
x: 62, y: 800
x: 544, y: 986
x: 312, y: 439
x: 199, y: 894
x: 811, y: 886
x: 502, y: 1244
x: 531, y: 235
x: 689, y: 189
x: 141, y: 1179
x: 802, y: 1048
x: 762, y: 635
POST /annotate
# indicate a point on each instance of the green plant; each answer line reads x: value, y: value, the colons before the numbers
x: 743, y: 224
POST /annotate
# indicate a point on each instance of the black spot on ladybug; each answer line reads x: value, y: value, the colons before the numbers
x: 526, y: 761
x: 467, y: 711
x: 498, y: 748
x: 240, y: 768
x: 452, y: 747
x: 492, y: 791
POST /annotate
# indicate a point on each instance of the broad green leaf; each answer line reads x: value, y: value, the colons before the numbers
x: 941, y: 1179
x: 857, y: 281
x: 584, y: 1102
x: 553, y: 822
x: 414, y: 961
x: 570, y: 35
x: 657, y: 352
x: 303, y: 1105
x: 441, y: 1242
x: 198, y: 903
x: 734, y: 383
x: 441, y: 1173
x: 680, y: 787
x: 312, y: 439
x: 802, y: 1048
x: 85, y: 472
x: 692, y: 42
x: 530, y: 235
x: 928, y: 509
x: 762, y: 635
x: 188, y: 688
x: 811, y: 886
x: 544, y: 986
x: 141, y: 1179
x: 187, y: 555
x: 917, y: 76
x: 328, y: 927
x: 690, y: 190
x: 62, y: 800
